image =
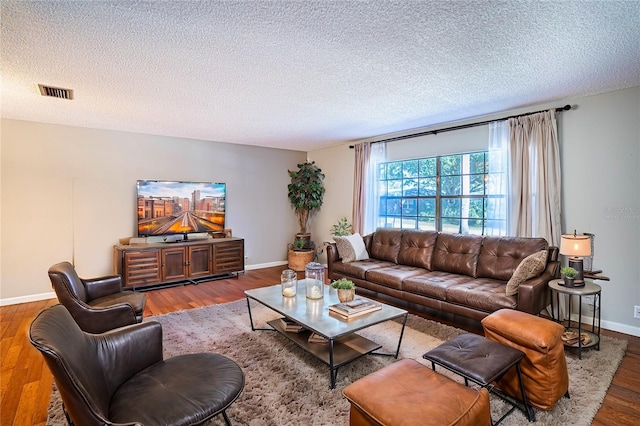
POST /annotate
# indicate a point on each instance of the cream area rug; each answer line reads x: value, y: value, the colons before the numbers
x: 286, y: 386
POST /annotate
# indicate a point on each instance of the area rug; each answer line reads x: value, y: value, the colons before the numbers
x: 286, y: 386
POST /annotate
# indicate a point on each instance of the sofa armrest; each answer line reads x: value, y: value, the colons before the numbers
x: 332, y: 257
x: 102, y: 286
x: 533, y: 294
x: 139, y: 344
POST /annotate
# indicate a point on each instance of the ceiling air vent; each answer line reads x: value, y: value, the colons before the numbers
x: 55, y: 92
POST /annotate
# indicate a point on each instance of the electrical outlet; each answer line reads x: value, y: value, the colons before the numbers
x: 636, y: 311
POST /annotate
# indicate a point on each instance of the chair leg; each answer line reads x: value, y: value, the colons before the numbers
x: 226, y: 418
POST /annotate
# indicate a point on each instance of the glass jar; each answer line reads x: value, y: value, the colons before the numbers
x: 314, y: 280
x: 289, y: 282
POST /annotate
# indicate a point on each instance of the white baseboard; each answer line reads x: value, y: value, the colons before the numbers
x: 264, y: 265
x: 609, y: 325
x: 29, y: 298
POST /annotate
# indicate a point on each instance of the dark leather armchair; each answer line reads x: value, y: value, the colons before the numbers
x: 97, y: 304
x: 120, y: 378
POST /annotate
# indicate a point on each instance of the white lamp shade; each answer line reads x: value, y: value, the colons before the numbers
x: 575, y: 245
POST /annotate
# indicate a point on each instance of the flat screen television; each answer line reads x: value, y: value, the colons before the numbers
x: 172, y: 207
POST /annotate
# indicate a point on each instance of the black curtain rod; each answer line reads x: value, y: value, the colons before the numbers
x: 463, y: 126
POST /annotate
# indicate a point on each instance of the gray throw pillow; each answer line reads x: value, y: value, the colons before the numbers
x: 531, y: 266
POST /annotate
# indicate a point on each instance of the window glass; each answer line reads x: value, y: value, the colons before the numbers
x: 446, y: 193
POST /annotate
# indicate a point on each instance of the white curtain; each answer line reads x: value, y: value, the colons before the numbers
x: 497, y: 182
x: 534, y: 177
x: 366, y: 188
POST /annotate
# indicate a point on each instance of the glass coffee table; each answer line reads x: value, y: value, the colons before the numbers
x: 343, y: 343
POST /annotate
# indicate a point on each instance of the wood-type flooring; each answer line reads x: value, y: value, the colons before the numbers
x: 25, y: 381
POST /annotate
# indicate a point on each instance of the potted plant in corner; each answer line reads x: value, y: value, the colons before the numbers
x: 300, y: 253
x: 305, y: 191
x: 569, y: 275
x: 346, y: 289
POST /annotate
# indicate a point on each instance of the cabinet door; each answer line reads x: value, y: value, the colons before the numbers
x: 228, y: 257
x: 141, y: 268
x: 199, y: 261
x: 174, y: 264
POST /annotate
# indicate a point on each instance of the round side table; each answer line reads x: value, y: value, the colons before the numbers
x: 589, y: 289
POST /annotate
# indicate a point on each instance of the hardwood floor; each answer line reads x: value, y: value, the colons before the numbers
x: 25, y: 381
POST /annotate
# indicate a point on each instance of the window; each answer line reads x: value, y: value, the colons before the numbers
x: 445, y: 193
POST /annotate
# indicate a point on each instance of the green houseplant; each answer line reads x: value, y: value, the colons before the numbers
x: 346, y: 289
x: 341, y: 228
x: 305, y: 191
x: 569, y: 275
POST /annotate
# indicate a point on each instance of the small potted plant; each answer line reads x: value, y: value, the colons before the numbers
x: 569, y: 275
x: 346, y: 289
x: 342, y: 228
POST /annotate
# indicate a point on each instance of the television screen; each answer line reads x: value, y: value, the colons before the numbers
x: 167, y: 207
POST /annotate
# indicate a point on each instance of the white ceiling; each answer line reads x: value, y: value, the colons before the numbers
x: 306, y: 74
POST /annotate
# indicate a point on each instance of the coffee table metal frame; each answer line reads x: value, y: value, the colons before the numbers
x: 344, y: 345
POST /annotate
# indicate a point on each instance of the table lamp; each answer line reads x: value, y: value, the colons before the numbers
x: 576, y: 247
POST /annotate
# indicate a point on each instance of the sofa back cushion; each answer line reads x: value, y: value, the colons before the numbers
x: 457, y: 253
x: 500, y: 256
x: 417, y: 247
x: 385, y: 244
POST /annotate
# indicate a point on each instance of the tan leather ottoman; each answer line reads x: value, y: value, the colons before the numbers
x: 544, y: 367
x: 408, y: 393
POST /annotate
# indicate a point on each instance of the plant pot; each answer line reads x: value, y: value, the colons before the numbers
x: 307, y: 240
x: 568, y: 282
x: 346, y: 295
x: 299, y: 259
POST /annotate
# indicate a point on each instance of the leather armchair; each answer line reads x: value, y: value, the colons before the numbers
x: 97, y: 304
x: 120, y: 378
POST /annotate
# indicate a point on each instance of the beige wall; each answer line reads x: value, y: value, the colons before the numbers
x: 68, y: 193
x: 600, y: 149
x: 55, y: 178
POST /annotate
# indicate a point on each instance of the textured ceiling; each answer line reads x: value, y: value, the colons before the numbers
x: 306, y: 74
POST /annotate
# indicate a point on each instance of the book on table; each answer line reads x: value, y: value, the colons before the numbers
x: 316, y: 338
x: 356, y: 307
x: 290, y: 326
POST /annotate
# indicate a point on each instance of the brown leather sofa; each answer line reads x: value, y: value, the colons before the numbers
x: 459, y: 274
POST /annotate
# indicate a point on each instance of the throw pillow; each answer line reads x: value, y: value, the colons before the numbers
x: 351, y: 248
x: 531, y: 266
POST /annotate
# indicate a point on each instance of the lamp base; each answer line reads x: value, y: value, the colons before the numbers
x: 577, y: 264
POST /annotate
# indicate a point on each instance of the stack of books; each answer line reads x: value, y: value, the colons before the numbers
x: 290, y: 326
x: 355, y: 308
x: 316, y: 338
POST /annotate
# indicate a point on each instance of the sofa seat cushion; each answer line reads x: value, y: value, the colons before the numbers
x: 417, y: 247
x: 385, y: 244
x: 457, y: 253
x: 483, y: 294
x: 500, y: 256
x: 358, y: 269
x: 392, y: 276
x: 137, y: 300
x: 434, y: 284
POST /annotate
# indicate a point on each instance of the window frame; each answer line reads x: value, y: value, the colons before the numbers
x: 395, y: 179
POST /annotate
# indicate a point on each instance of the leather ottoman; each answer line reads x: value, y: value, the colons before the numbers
x: 544, y: 367
x: 408, y: 393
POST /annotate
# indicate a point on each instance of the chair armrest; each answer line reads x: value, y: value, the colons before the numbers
x: 98, y: 319
x: 533, y: 294
x: 129, y: 350
x: 102, y: 286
